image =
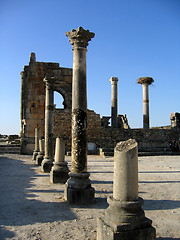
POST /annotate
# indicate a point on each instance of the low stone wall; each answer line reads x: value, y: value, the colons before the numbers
x: 151, y: 140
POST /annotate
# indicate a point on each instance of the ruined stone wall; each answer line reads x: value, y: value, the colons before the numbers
x: 33, y: 104
x: 33, y: 97
x: 62, y: 126
x: 33, y: 114
x: 151, y: 140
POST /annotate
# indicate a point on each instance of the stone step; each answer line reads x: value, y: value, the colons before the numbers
x: 9, y: 148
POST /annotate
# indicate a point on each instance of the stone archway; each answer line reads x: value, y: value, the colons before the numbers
x: 58, y: 100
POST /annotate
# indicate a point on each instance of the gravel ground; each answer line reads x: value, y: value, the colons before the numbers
x: 32, y: 208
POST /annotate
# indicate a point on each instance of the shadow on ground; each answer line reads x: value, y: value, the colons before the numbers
x: 167, y: 238
x: 160, y: 204
x: 15, y: 207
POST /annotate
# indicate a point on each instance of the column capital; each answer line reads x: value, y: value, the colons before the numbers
x: 145, y: 80
x: 113, y: 80
x: 80, y: 37
x: 49, y: 81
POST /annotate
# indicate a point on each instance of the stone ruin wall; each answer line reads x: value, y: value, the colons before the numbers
x: 62, y: 126
x: 33, y: 105
x: 33, y: 108
x: 151, y: 140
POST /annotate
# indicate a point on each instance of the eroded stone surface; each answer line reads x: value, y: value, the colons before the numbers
x: 126, y: 145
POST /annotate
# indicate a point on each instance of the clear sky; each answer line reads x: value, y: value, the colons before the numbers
x: 133, y: 38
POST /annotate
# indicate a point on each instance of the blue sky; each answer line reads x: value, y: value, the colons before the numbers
x: 133, y: 38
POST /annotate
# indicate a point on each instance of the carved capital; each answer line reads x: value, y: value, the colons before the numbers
x: 113, y: 80
x: 49, y: 81
x: 145, y: 80
x: 79, y: 38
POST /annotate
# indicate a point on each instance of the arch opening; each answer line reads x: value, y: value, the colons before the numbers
x: 58, y: 100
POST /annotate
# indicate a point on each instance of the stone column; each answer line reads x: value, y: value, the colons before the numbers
x: 145, y: 81
x: 49, y: 107
x: 78, y: 188
x: 40, y: 155
x: 114, y: 102
x: 60, y: 170
x: 36, y: 150
x: 124, y: 218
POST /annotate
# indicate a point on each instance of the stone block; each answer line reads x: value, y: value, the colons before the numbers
x: 82, y: 196
x: 39, y: 159
x: 106, y: 232
x: 58, y: 176
x: 46, y: 166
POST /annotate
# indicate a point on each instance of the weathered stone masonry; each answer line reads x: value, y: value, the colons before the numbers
x: 33, y: 105
x: 33, y: 114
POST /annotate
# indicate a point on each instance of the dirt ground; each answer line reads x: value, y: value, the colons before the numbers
x: 32, y: 208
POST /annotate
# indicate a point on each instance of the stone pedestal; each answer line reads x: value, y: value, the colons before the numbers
x: 60, y: 170
x: 40, y: 155
x: 124, y: 218
x: 36, y: 150
x: 145, y: 81
x: 47, y: 162
x: 76, y: 191
x: 114, y: 102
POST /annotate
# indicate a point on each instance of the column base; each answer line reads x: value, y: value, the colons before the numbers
x: 35, y: 153
x: 47, y: 165
x: 125, y: 220
x: 78, y: 190
x: 104, y: 231
x: 39, y: 159
x: 59, y: 172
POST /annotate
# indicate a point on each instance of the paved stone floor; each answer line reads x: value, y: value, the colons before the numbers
x: 33, y: 208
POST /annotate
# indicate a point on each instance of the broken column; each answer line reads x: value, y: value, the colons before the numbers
x: 114, y: 102
x: 36, y: 150
x: 49, y: 107
x: 40, y: 155
x: 124, y: 218
x: 145, y: 81
x: 78, y: 188
x: 60, y: 170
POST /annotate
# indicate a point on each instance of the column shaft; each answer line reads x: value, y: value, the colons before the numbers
x: 49, y: 122
x: 60, y: 170
x: 79, y: 115
x: 114, y: 102
x: 125, y: 185
x: 145, y: 106
x: 36, y: 150
x: 59, y: 150
x: 49, y: 106
x: 37, y: 139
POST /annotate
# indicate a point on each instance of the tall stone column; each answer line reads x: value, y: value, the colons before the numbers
x: 36, y: 150
x: 145, y: 82
x: 49, y: 107
x: 78, y: 188
x: 114, y: 102
x: 124, y: 218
